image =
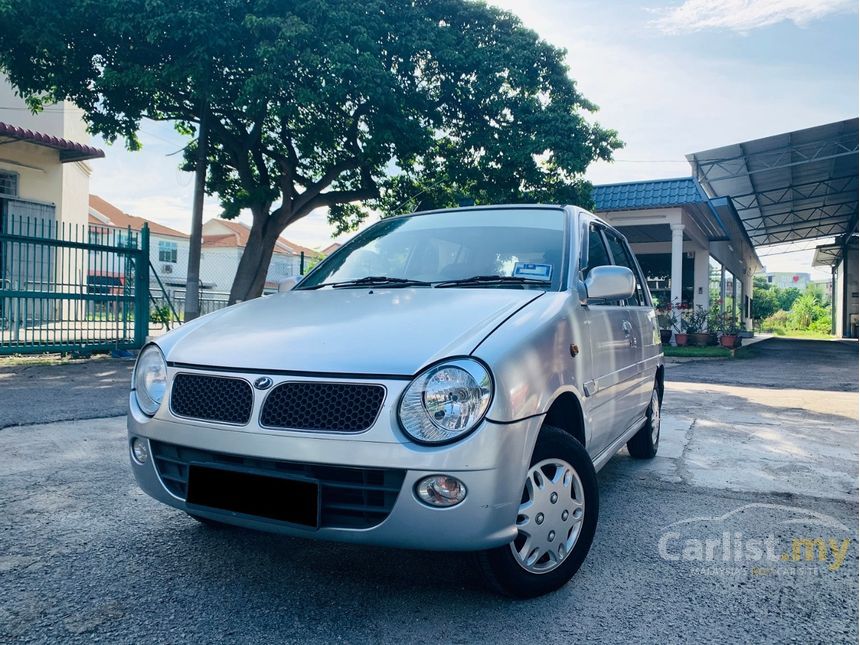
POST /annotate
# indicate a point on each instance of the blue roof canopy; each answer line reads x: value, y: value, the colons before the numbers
x: 659, y: 193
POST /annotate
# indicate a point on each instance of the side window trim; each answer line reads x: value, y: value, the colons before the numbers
x: 600, y: 229
x: 646, y: 294
x: 628, y: 261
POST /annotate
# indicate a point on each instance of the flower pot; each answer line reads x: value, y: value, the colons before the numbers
x: 699, y: 339
x: 712, y: 339
x: 665, y: 336
x: 730, y: 341
x: 680, y: 340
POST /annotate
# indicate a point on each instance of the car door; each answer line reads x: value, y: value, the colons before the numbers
x: 611, y: 352
x: 639, y: 332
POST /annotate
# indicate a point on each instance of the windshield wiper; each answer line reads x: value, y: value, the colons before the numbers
x: 491, y: 280
x: 373, y: 281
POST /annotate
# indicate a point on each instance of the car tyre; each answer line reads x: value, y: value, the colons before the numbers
x: 643, y: 445
x: 505, y: 571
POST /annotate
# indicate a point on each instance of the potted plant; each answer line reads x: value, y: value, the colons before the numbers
x: 696, y: 321
x: 714, y: 324
x: 680, y: 327
x: 666, y: 321
x: 730, y: 328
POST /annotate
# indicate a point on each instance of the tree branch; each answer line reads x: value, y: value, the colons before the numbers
x: 328, y: 177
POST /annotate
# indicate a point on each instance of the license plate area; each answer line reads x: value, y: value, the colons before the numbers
x: 296, y: 501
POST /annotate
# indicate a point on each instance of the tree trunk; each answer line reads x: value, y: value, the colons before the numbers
x: 254, y: 264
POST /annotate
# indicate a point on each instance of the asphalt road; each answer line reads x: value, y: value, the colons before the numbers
x: 86, y: 557
x: 78, y: 390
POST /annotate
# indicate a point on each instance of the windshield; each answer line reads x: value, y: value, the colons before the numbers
x: 523, y: 246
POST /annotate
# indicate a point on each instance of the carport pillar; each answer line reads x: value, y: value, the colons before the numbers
x: 722, y: 289
x: 677, y: 262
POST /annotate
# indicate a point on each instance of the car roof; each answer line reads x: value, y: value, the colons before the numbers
x: 494, y: 207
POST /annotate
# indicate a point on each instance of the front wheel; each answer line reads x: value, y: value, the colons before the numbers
x: 556, y: 521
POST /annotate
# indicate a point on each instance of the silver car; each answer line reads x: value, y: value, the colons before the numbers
x: 447, y: 380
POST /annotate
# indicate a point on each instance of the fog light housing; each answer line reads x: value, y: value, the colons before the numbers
x: 139, y: 451
x: 440, y: 491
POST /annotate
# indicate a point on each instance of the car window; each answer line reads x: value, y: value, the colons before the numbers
x: 597, y: 255
x: 453, y: 245
x: 621, y: 256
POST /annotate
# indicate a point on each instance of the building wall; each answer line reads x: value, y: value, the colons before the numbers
x: 785, y: 279
x: 218, y: 267
x: 61, y: 119
x: 170, y: 272
x: 40, y: 174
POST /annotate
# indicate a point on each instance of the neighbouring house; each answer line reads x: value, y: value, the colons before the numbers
x: 786, y: 279
x: 331, y: 248
x: 168, y: 248
x: 44, y: 169
x: 44, y: 187
x: 223, y: 244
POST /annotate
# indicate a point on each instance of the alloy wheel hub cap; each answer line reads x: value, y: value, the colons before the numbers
x: 549, y: 520
x: 655, y: 417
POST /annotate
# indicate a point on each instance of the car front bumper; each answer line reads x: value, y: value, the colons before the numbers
x: 491, y: 462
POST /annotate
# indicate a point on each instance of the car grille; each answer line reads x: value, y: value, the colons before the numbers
x: 332, y: 407
x: 350, y: 497
x: 212, y: 398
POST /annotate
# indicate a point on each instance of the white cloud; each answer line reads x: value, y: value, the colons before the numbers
x: 745, y: 15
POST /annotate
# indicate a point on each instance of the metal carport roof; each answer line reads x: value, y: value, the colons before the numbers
x: 795, y: 186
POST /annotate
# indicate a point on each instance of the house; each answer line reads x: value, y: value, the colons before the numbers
x: 693, y: 249
x: 44, y: 169
x: 224, y: 242
x: 168, y: 248
x: 44, y: 186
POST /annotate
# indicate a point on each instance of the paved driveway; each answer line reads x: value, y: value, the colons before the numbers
x: 742, y: 469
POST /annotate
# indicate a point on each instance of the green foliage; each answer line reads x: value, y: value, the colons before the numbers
x: 160, y: 315
x: 786, y: 297
x: 807, y: 310
x: 776, y: 323
x: 694, y: 320
x: 320, y: 104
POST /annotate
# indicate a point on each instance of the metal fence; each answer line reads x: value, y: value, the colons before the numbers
x: 67, y: 288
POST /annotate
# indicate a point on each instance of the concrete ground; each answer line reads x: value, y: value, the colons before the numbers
x: 708, y: 541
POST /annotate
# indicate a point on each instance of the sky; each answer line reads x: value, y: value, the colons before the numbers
x: 671, y: 76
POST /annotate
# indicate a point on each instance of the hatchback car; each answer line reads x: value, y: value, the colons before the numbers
x: 447, y: 380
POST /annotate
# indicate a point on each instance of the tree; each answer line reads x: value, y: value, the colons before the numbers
x: 765, y: 302
x: 787, y: 297
x: 320, y: 104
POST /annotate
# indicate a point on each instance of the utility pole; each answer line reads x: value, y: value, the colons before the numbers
x: 192, y: 280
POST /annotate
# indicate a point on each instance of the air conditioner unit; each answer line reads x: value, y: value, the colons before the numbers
x: 167, y: 268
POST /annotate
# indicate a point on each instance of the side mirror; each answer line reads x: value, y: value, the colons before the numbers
x: 287, y: 284
x: 610, y: 283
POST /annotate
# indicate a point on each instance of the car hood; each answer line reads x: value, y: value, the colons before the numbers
x: 345, y: 331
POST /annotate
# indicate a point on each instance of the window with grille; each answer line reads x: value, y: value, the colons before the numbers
x: 8, y: 183
x: 167, y: 251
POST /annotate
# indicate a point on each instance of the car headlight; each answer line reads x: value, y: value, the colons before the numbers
x: 446, y: 401
x: 150, y: 379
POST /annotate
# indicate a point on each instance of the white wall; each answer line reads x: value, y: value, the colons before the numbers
x: 218, y: 267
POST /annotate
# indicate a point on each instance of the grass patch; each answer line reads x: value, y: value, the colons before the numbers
x: 802, y: 333
x: 29, y: 360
